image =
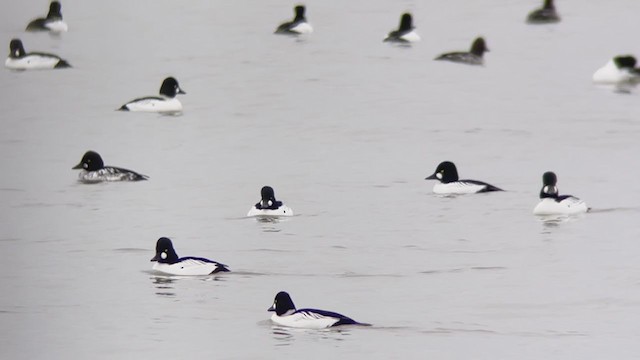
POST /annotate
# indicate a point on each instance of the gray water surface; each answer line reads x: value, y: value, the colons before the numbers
x: 345, y: 128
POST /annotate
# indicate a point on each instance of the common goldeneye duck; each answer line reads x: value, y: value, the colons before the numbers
x: 447, y: 174
x: 473, y: 57
x: 553, y: 204
x: 287, y: 315
x: 166, y: 102
x: 297, y: 26
x: 93, y: 170
x: 53, y: 22
x: 405, y: 32
x: 168, y: 262
x: 545, y: 15
x: 621, y: 69
x: 268, y: 205
x: 19, y: 59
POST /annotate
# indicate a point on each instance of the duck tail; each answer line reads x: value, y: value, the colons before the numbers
x: 62, y: 64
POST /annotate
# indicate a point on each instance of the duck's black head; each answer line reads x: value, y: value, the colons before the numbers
x: 446, y: 172
x: 299, y: 11
x: 406, y: 22
x: 267, y: 193
x: 548, y: 5
x: 625, y: 61
x: 54, y: 11
x: 91, y: 161
x: 267, y: 196
x: 549, y: 188
x: 282, y: 304
x: 170, y: 88
x: 16, y: 50
x: 479, y: 46
x: 164, y: 252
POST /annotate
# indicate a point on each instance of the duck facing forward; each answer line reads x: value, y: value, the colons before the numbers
x: 53, y: 22
x: 447, y: 174
x: 553, y: 204
x: 168, y: 262
x: 297, y: 26
x: 268, y: 205
x: 287, y: 315
x: 19, y: 59
x: 405, y: 32
x: 166, y: 102
x: 472, y: 57
x: 545, y: 15
x: 619, y: 70
x: 94, y: 171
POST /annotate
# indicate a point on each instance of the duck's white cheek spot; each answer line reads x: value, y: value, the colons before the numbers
x: 163, y: 255
x: 85, y: 165
x: 439, y: 176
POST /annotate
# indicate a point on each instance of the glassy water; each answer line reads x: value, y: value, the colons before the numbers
x: 345, y: 128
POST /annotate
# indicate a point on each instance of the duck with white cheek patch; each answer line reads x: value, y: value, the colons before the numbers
x: 269, y: 206
x: 167, y: 261
x: 93, y: 170
x: 165, y: 103
x: 551, y: 203
x: 448, y: 182
x: 287, y: 315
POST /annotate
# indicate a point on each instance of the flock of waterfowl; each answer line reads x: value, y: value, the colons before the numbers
x: 620, y: 69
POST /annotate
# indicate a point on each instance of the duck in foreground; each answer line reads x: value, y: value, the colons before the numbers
x: 619, y: 70
x: 297, y: 26
x: 94, y: 171
x: 553, y: 204
x: 545, y: 15
x: 268, y: 205
x: 405, y: 32
x: 166, y: 102
x: 168, y: 262
x: 53, y: 22
x: 472, y: 57
x: 447, y: 174
x: 19, y: 59
x: 287, y: 315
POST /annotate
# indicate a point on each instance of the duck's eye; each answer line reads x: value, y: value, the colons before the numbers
x: 163, y: 255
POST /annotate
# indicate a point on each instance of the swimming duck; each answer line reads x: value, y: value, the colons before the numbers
x: 447, y: 174
x: 93, y: 170
x: 553, y: 204
x: 19, y: 59
x: 268, y: 205
x: 287, y: 315
x: 472, y: 57
x: 168, y: 262
x: 298, y: 25
x: 405, y: 32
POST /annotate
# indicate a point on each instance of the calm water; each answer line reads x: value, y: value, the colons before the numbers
x: 345, y: 128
